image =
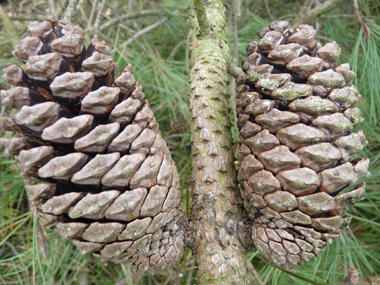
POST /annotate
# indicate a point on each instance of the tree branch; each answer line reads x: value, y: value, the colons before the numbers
x: 92, y: 14
x: 144, y: 31
x: 200, y: 10
x: 98, y: 18
x: 215, y: 233
x: 175, y: 50
x: 364, y: 26
x: 235, y: 52
x: 127, y: 17
x: 70, y: 10
x: 354, y: 279
x: 318, y: 11
x: 357, y: 13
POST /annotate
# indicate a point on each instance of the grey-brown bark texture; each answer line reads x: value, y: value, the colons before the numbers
x: 105, y: 175
x: 216, y: 206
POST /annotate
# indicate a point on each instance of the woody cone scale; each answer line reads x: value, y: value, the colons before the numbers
x: 90, y: 142
x: 296, y: 113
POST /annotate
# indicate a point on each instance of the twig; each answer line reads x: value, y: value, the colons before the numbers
x: 41, y: 239
x: 364, y: 27
x: 144, y: 31
x: 354, y: 279
x: 175, y: 50
x: 338, y: 16
x: 2, y: 111
x: 137, y: 277
x: 10, y: 2
x: 306, y: 7
x: 9, y: 28
x: 235, y: 71
x: 83, y: 13
x: 254, y: 272
x: 129, y: 17
x: 18, y: 255
x: 23, y: 19
x: 98, y: 18
x: 92, y: 14
x: 200, y: 10
x: 52, y: 8
x: 128, y: 30
x: 313, y: 14
x: 70, y: 10
x: 190, y: 276
x: 268, y: 10
x: 235, y: 52
x: 235, y: 57
x: 187, y: 53
x: 357, y: 14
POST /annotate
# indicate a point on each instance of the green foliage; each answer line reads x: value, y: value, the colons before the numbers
x: 159, y: 63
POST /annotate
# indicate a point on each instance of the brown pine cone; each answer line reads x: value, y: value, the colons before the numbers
x: 295, y: 118
x: 105, y: 175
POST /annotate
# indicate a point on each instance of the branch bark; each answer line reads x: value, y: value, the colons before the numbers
x: 144, y: 31
x: 354, y: 279
x: 216, y: 210
x: 144, y: 13
x: 318, y: 11
x: 70, y: 10
x: 200, y: 10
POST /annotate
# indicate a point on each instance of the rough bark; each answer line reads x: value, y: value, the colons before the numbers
x: 216, y: 206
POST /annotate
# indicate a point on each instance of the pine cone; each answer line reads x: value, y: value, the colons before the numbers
x: 108, y: 179
x: 295, y: 119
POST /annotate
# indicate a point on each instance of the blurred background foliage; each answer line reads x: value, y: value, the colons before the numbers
x: 153, y: 37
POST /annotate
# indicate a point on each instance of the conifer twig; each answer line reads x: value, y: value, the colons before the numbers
x: 92, y: 14
x: 98, y: 18
x: 354, y: 279
x: 364, y: 26
x: 357, y: 13
x: 268, y: 10
x: 318, y: 11
x: 127, y: 17
x: 187, y: 52
x: 70, y: 10
x: 235, y: 51
x: 254, y: 273
x: 52, y: 8
x: 200, y: 11
x: 144, y: 31
x: 175, y: 50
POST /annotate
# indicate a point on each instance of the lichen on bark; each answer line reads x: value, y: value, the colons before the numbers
x: 216, y: 209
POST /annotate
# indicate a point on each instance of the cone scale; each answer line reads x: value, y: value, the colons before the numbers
x: 295, y: 115
x: 104, y: 175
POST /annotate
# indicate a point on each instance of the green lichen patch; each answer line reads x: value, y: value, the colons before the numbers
x: 292, y: 91
x: 312, y: 105
x: 328, y: 78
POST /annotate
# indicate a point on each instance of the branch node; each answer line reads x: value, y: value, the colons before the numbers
x: 200, y: 10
